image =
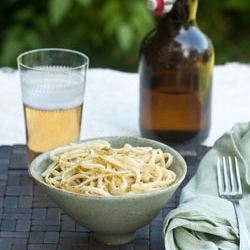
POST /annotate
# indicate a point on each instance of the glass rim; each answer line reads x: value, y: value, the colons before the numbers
x: 86, y: 63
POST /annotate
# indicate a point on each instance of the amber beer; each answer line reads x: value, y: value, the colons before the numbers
x: 52, y: 86
x: 46, y: 129
x: 53, y: 106
x: 53, y: 110
x: 173, y: 115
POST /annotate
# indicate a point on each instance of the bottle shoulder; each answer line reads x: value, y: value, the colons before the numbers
x: 192, y: 38
x: 186, y: 36
x: 186, y: 44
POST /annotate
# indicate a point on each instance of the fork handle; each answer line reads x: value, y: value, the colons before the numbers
x: 243, y: 231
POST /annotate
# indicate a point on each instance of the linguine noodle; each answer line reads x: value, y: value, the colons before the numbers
x: 95, y: 168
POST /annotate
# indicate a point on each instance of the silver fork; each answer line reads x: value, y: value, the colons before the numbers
x: 229, y: 186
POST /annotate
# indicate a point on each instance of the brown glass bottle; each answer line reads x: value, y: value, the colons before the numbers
x: 175, y: 67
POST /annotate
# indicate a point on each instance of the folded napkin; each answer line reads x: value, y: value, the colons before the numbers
x: 203, y: 220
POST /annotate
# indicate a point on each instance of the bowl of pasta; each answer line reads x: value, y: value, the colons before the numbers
x: 112, y: 186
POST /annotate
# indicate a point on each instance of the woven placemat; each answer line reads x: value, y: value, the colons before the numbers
x: 30, y: 220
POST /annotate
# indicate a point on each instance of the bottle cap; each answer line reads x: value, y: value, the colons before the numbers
x: 159, y: 7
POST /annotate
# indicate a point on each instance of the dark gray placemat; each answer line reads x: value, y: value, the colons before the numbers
x: 29, y: 220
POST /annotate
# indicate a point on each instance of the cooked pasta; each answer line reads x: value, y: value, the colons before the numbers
x: 95, y: 168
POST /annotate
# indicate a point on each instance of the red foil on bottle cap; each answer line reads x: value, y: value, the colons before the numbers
x: 156, y: 6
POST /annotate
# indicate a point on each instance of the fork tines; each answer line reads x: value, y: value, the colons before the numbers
x: 228, y: 176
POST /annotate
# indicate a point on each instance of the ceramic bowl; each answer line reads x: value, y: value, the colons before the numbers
x: 113, y: 220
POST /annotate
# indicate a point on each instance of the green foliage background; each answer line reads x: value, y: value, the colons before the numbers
x: 110, y: 31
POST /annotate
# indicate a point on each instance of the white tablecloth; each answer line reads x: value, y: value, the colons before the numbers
x: 112, y: 103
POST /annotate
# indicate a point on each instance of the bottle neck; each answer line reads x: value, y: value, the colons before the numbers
x: 183, y: 11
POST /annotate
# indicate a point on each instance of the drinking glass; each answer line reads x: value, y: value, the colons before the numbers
x: 52, y: 87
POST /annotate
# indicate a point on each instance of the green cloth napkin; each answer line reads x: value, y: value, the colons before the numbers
x: 203, y: 220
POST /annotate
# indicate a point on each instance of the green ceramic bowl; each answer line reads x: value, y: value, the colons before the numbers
x: 113, y: 220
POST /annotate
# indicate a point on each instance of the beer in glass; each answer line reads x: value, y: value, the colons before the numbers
x: 53, y: 86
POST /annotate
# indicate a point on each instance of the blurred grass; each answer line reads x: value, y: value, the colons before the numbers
x: 110, y: 32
